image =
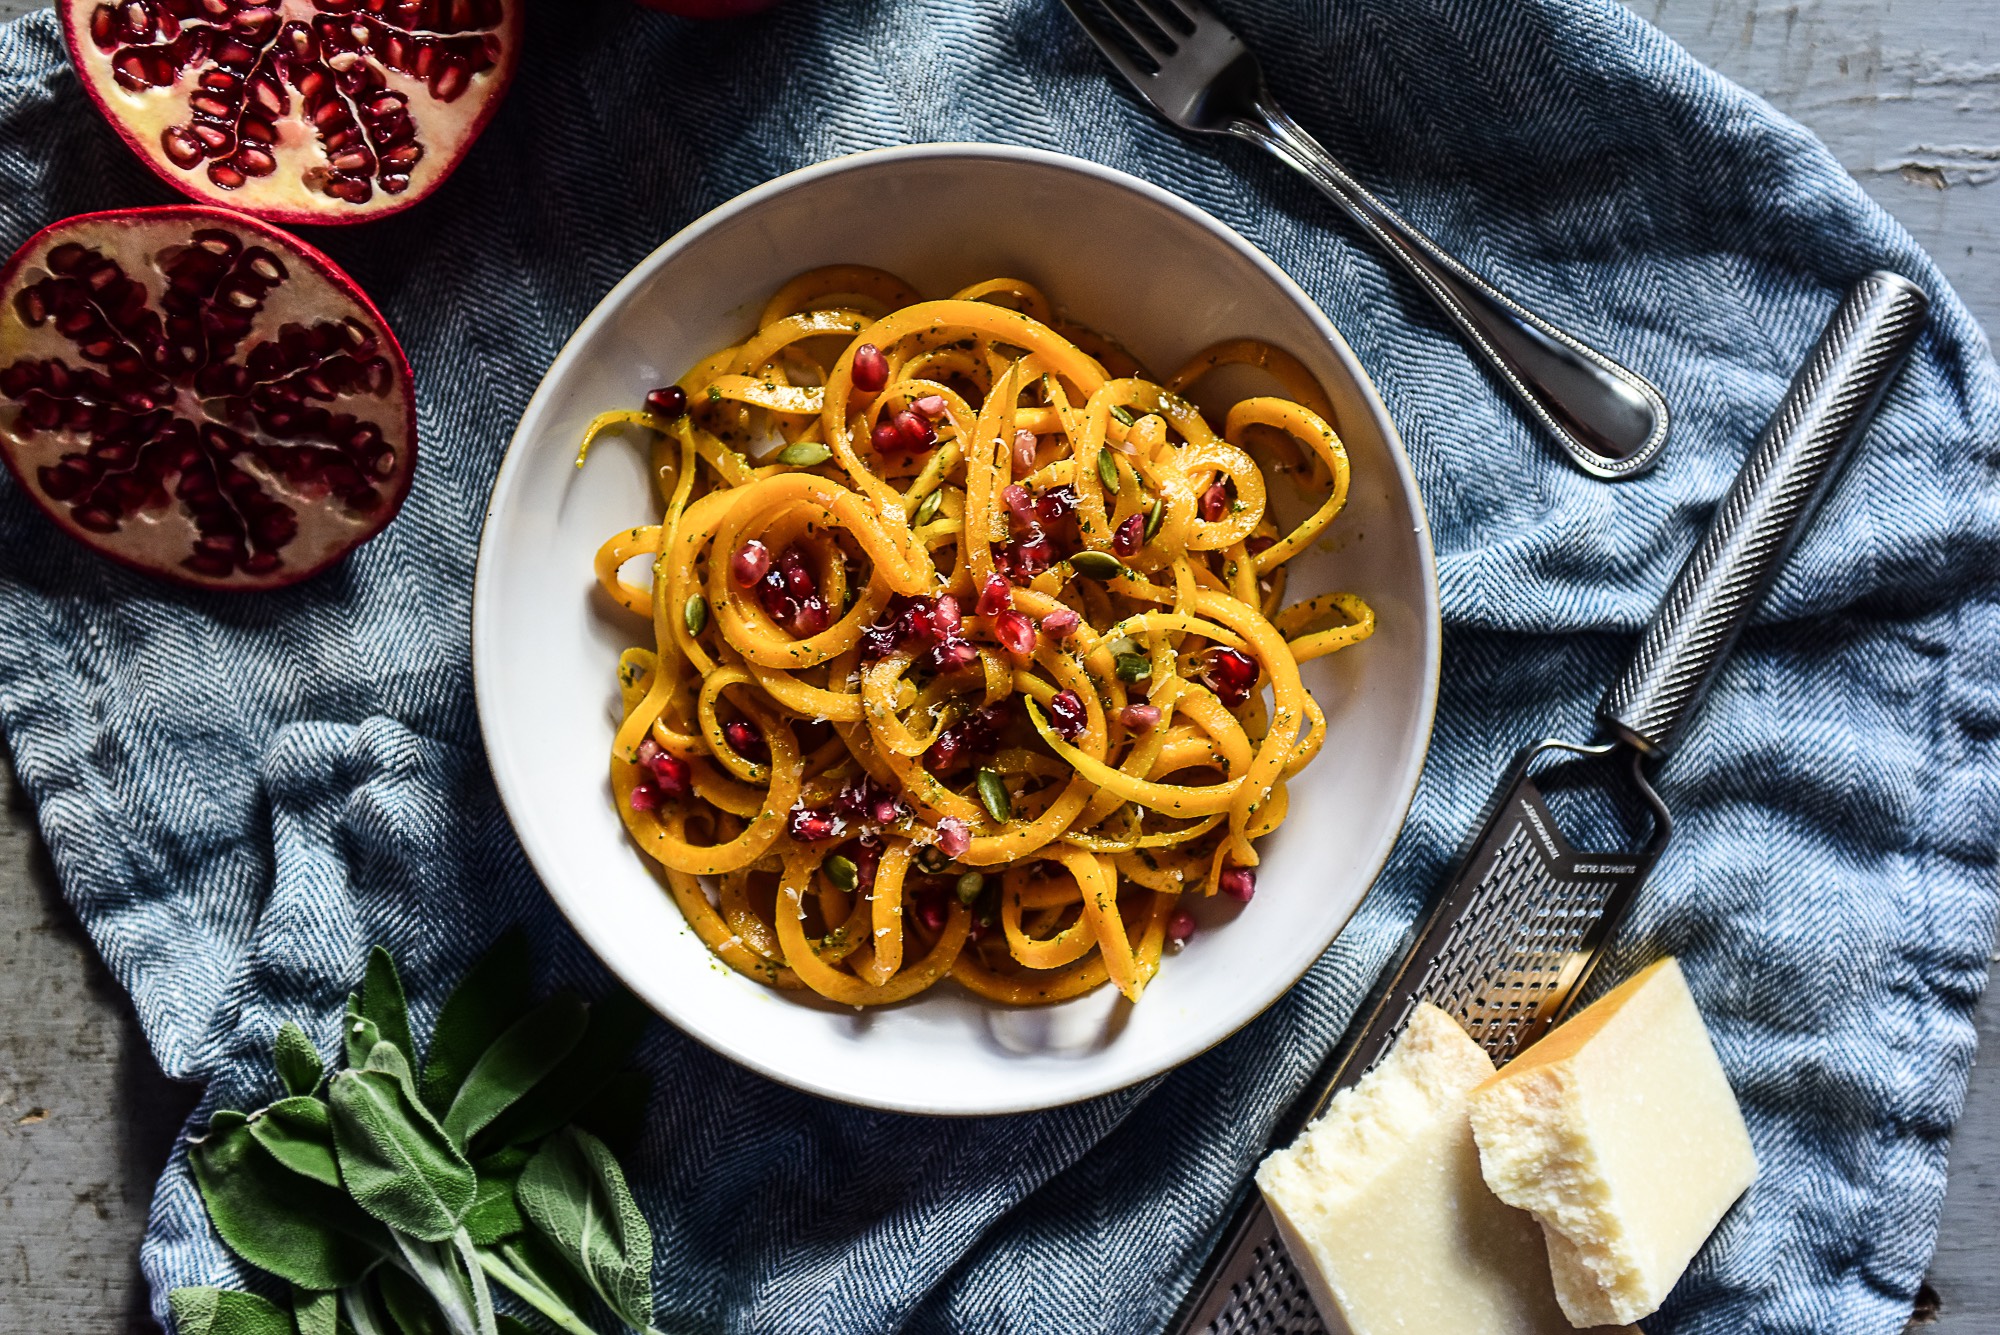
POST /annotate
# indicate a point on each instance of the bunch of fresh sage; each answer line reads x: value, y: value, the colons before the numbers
x: 394, y: 1202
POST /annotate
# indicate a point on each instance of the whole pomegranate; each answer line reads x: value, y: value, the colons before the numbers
x: 200, y: 395
x: 298, y: 111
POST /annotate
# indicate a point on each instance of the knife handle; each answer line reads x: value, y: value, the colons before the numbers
x: 1822, y: 416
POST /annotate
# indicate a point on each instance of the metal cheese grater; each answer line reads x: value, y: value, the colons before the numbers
x: 1517, y: 933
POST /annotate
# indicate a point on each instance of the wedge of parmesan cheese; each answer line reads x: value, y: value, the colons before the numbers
x: 1619, y: 1132
x: 1382, y: 1204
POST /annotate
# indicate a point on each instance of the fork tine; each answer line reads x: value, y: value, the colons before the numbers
x: 1167, y: 16
x: 1111, y: 46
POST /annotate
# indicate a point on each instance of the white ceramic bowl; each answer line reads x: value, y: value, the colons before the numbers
x: 1118, y: 255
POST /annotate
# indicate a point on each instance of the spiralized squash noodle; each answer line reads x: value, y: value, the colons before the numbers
x: 960, y: 639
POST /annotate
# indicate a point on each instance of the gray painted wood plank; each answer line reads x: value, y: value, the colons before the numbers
x: 1905, y: 92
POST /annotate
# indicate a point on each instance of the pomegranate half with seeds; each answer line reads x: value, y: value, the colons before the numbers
x: 298, y: 111
x: 199, y: 395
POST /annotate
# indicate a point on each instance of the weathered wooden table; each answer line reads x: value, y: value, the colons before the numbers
x: 1907, y: 92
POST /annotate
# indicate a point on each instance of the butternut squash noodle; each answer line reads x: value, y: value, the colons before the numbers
x: 961, y: 632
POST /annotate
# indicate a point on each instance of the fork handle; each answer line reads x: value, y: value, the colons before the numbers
x: 1609, y: 420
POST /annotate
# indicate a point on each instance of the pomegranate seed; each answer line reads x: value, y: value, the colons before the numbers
x: 1015, y: 632
x: 1180, y: 926
x: 1015, y: 497
x: 1054, y: 504
x: 1139, y: 716
x: 1215, y: 503
x: 995, y: 596
x: 1034, y: 553
x: 886, y: 438
x: 930, y: 407
x: 1061, y: 624
x: 945, y: 615
x: 944, y: 752
x: 955, y: 654
x: 644, y: 798
x: 916, y: 432
x: 1131, y: 535
x: 1067, y: 715
x: 1259, y: 544
x: 1026, y: 446
x: 672, y: 776
x: 811, y: 825
x: 931, y: 912
x: 1231, y: 674
x: 813, y: 616
x: 751, y: 562
x: 668, y: 401
x: 954, y: 837
x: 871, y: 369
x: 798, y: 578
x: 745, y: 741
x: 1238, y: 883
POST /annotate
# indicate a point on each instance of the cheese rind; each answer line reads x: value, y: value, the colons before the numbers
x: 1382, y: 1204
x: 1620, y: 1134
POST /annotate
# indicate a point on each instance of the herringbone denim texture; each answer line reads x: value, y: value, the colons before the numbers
x: 242, y: 793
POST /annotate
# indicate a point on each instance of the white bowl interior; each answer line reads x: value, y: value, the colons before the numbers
x: 1113, y: 253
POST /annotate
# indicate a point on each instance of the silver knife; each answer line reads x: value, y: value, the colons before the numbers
x: 1514, y: 940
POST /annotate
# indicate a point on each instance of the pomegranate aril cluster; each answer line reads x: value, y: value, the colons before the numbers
x: 260, y: 67
x: 1041, y: 531
x: 786, y: 587
x: 669, y: 778
x: 974, y: 737
x: 934, y: 625
x: 128, y: 404
x: 861, y: 804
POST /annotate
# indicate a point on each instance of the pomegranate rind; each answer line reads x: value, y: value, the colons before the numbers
x: 158, y: 540
x: 446, y: 130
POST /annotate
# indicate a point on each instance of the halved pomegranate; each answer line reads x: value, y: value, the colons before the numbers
x: 299, y: 111
x: 199, y: 395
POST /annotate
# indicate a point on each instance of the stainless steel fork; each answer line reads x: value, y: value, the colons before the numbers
x: 1199, y: 75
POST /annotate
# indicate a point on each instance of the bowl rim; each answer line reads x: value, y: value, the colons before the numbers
x: 513, y: 465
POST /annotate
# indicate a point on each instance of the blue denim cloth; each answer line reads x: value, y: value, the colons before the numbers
x: 242, y: 793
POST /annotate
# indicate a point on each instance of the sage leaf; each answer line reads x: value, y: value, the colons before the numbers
x: 494, y: 993
x: 409, y: 1304
x: 382, y: 1002
x: 297, y: 1060
x: 616, y: 1024
x: 299, y: 1134
x: 435, y: 1266
x: 494, y: 1217
x: 575, y: 1193
x: 533, y: 1271
x: 299, y: 1229
x: 316, y: 1313
x: 395, y: 1160
x: 359, y: 1034
x: 514, y: 1063
x: 208, y: 1311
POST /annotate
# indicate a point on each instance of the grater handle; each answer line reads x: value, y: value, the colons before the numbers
x: 1823, y: 414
